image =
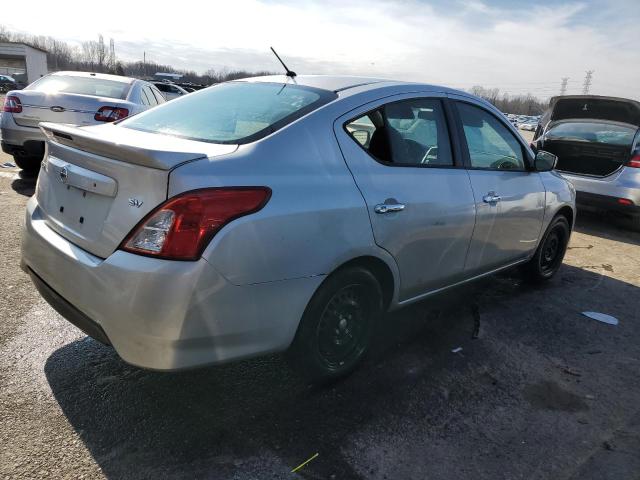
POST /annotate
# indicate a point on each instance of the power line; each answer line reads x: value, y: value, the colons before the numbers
x: 563, y: 86
x: 587, y: 82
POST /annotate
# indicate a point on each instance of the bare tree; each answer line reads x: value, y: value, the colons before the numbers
x: 95, y: 55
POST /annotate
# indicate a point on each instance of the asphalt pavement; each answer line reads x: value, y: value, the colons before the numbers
x: 543, y: 392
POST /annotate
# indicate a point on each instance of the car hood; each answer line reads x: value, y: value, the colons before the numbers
x: 592, y: 107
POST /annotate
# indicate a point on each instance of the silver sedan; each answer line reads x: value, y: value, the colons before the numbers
x: 278, y: 214
x: 78, y: 98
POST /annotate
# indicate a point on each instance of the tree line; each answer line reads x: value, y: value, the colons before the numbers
x: 517, y: 104
x: 99, y: 56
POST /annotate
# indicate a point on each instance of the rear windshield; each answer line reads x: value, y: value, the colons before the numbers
x: 234, y: 112
x: 98, y: 87
x: 592, y: 132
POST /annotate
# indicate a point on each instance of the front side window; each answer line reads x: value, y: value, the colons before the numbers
x: 410, y: 132
x: 491, y: 145
x: 94, y: 86
x: 233, y: 112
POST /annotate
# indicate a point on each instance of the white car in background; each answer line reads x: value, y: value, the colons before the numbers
x: 529, y: 125
x: 170, y: 90
x: 76, y: 98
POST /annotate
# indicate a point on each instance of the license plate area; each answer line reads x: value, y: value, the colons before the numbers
x: 74, y: 199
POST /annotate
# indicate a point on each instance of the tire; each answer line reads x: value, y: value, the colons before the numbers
x: 337, y: 325
x: 28, y: 163
x: 550, y: 253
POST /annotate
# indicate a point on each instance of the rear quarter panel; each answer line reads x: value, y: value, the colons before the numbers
x: 315, y: 220
x: 559, y: 193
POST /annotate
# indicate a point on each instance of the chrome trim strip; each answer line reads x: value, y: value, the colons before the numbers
x: 65, y: 110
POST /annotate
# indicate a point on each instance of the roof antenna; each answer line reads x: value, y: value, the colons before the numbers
x: 290, y: 73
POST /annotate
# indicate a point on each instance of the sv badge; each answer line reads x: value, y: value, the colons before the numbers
x: 134, y: 202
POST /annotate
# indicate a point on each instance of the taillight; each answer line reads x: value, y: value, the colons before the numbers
x: 182, y: 227
x: 12, y: 104
x: 635, y: 161
x: 110, y: 114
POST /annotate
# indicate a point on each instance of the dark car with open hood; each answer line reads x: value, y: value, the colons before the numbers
x: 597, y: 141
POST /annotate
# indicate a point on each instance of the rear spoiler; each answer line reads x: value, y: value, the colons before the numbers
x: 127, y: 145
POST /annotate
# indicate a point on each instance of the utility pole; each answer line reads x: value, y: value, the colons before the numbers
x: 144, y: 63
x: 563, y: 86
x: 112, y: 56
x: 587, y: 82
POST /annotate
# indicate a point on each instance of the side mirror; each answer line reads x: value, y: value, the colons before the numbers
x: 545, y: 161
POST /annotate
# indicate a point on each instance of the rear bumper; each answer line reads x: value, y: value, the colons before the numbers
x: 595, y: 202
x: 603, y: 193
x: 67, y: 310
x: 159, y: 314
x: 15, y: 136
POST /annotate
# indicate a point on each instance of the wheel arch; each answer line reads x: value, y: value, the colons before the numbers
x: 380, y: 269
x: 567, y: 212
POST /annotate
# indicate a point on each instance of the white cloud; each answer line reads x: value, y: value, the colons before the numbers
x: 466, y: 43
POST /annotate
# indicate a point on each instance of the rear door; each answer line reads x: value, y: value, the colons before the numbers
x: 419, y: 199
x: 509, y: 197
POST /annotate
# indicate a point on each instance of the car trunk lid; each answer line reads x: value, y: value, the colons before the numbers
x: 59, y: 107
x: 97, y: 183
x: 595, y: 108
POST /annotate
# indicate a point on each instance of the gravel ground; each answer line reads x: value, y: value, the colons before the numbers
x: 542, y: 393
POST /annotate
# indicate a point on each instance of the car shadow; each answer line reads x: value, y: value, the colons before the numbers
x: 255, y: 419
x: 25, y: 184
x: 605, y: 226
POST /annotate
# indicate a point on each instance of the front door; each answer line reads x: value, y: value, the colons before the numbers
x: 509, y: 196
x: 420, y: 201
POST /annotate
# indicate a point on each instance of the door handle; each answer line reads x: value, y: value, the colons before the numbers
x: 491, y: 197
x: 388, y: 207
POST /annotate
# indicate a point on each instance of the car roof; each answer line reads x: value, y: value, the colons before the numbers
x: 336, y: 83
x: 325, y: 82
x: 346, y: 86
x: 105, y: 76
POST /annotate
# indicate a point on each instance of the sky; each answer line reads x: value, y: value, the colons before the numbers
x: 517, y: 46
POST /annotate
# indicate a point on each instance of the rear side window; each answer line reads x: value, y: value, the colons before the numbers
x: 98, y: 87
x: 592, y: 132
x: 147, y: 90
x: 159, y: 98
x: 234, y: 112
x: 410, y: 133
x: 491, y: 145
x: 144, y: 98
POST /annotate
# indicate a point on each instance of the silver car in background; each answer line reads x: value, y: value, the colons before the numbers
x: 170, y: 91
x: 77, y: 98
x: 278, y: 214
x: 597, y: 142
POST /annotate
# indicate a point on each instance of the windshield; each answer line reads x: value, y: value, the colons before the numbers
x: 592, y: 132
x: 234, y: 112
x: 97, y: 87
